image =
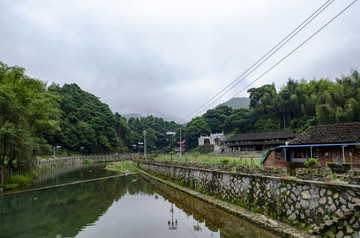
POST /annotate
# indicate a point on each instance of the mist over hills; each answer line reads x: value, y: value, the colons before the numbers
x: 236, y: 103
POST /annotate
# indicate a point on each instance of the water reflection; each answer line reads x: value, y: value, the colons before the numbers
x: 71, y: 173
x: 208, y: 216
x: 60, y: 211
x: 125, y: 206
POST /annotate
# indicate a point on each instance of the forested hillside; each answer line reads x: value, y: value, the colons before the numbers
x: 300, y: 104
x: 156, y: 129
x: 297, y: 105
x: 87, y: 125
x: 35, y: 118
x: 236, y: 103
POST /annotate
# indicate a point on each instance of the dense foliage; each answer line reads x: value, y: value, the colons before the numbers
x: 300, y: 104
x: 28, y: 112
x: 156, y: 137
x: 87, y: 124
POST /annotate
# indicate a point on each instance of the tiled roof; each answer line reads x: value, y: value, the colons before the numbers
x: 263, y: 136
x: 337, y: 133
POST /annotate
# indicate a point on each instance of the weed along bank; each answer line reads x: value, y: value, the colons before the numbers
x: 325, y: 208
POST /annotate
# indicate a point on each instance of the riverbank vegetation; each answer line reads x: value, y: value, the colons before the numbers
x: 39, y: 120
x: 17, y: 181
x: 122, y: 167
x: 214, y: 158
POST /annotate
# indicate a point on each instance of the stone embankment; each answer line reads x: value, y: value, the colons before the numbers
x: 82, y: 159
x: 324, y: 207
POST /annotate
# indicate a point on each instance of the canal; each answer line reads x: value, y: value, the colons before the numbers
x: 124, y: 206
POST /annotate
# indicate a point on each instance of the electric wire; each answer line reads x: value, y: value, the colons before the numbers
x: 275, y: 49
x: 304, y: 42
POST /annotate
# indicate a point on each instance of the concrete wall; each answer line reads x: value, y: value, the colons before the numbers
x: 324, y: 207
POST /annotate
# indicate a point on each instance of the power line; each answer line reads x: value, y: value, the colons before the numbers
x: 304, y: 42
x: 292, y: 50
x: 267, y: 56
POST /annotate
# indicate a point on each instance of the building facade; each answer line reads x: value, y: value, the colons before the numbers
x: 338, y: 143
x: 259, y: 141
x: 217, y: 140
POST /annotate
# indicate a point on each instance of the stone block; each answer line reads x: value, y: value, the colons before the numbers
x: 305, y: 195
x: 340, y: 234
x: 322, y: 200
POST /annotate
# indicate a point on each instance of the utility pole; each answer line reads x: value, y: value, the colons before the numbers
x: 180, y: 144
x: 171, y: 133
x: 144, y: 132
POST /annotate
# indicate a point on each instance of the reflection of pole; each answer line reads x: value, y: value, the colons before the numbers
x: 172, y: 225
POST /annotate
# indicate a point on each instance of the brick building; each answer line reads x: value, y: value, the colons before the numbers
x: 338, y: 143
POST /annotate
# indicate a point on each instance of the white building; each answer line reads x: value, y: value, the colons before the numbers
x: 217, y: 140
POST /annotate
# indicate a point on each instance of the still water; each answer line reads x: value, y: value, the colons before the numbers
x: 127, y: 206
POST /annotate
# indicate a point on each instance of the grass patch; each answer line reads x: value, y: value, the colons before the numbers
x: 88, y: 161
x: 214, y: 158
x: 16, y: 181
x: 122, y: 167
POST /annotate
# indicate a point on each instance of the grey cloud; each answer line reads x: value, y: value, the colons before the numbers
x: 157, y: 57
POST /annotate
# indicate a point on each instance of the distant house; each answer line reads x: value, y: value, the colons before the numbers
x: 336, y: 143
x: 217, y: 140
x: 259, y: 141
x: 183, y: 147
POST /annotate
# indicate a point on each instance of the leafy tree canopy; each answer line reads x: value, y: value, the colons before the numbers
x: 28, y: 112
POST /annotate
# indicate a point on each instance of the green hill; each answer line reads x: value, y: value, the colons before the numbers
x: 237, y: 103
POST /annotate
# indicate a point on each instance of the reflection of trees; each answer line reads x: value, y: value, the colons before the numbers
x: 64, y: 210
x: 70, y: 173
x: 215, y: 219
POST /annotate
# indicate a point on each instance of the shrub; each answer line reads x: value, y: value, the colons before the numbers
x: 346, y: 166
x: 182, y: 182
x: 224, y: 161
x: 88, y: 161
x: 192, y: 184
x: 18, y: 180
x: 312, y: 163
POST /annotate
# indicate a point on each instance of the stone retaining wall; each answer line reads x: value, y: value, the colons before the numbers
x: 324, y: 207
x: 81, y: 159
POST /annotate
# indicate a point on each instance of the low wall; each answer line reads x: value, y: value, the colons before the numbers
x: 323, y: 207
x: 81, y: 159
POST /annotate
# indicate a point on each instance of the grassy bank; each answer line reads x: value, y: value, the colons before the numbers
x: 236, y: 159
x: 122, y: 167
x: 17, y: 181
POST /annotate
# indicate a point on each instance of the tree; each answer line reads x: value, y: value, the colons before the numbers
x: 216, y: 118
x: 194, y: 129
x: 240, y: 121
x: 156, y: 128
x: 28, y: 112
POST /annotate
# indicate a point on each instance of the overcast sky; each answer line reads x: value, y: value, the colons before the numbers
x: 168, y: 57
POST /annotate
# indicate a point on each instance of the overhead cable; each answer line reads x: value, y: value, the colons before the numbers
x: 265, y: 57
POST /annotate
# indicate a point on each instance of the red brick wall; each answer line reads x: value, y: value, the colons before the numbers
x: 272, y: 161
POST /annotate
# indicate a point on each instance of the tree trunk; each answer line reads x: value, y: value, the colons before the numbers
x: 1, y: 174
